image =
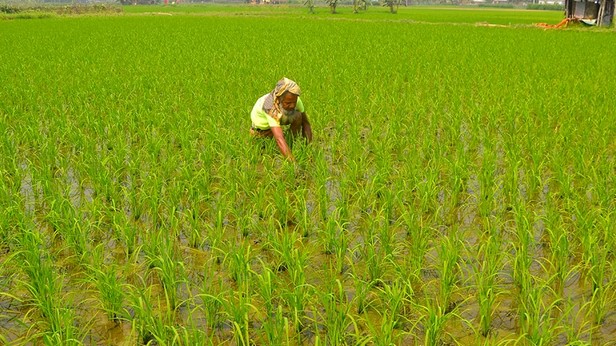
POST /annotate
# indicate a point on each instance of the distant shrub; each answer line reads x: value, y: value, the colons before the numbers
x: 497, y: 5
x: 546, y: 7
x: 81, y: 9
x: 46, y: 11
x: 9, y: 9
x: 32, y: 15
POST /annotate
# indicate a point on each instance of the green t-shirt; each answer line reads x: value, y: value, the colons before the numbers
x: 262, y: 120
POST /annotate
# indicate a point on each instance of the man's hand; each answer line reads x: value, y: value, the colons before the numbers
x: 282, y: 143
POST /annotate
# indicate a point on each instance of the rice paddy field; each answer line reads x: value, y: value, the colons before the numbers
x: 460, y: 188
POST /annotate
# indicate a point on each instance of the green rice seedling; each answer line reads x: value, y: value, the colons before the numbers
x: 110, y: 288
x: 434, y: 321
x: 533, y: 173
x: 417, y: 242
x: 276, y: 328
x: 266, y: 287
x: 7, y: 220
x: 323, y: 182
x: 333, y: 237
x: 428, y: 189
x: 511, y: 182
x: 152, y: 195
x: 486, y: 272
x: 362, y: 291
x: 59, y: 215
x: 161, y: 256
x: 193, y: 231
x: 373, y: 252
x: 584, y: 222
x: 448, y: 259
x: 379, y: 188
x: 487, y: 184
x: 600, y: 181
x: 212, y: 295
x: 393, y: 298
x: 172, y: 219
x: 103, y: 181
x: 385, y: 233
x: 562, y: 175
x: 340, y: 253
x: 80, y: 234
x: 62, y: 329
x: 602, y: 265
x: 238, y: 308
x: 376, y: 261
x: 523, y: 248
x: 600, y: 301
x: 238, y: 261
x: 592, y: 243
x: 535, y: 317
x: 131, y: 239
x: 456, y: 183
x: 42, y: 283
x: 409, y: 295
x: 343, y: 204
x: 304, y: 217
x: 192, y: 335
x: 575, y: 332
x: 244, y: 221
x: 172, y: 275
x: 135, y: 205
x: 600, y: 287
x: 63, y: 219
x: 560, y: 250
x: 149, y: 323
x: 300, y: 291
x: 282, y: 205
x: 215, y: 233
x: 274, y: 323
x: 45, y: 288
x: 282, y: 243
x: 336, y: 316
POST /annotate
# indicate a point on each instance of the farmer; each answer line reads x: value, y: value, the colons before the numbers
x: 282, y: 106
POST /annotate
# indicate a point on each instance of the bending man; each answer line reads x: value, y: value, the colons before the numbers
x: 282, y: 106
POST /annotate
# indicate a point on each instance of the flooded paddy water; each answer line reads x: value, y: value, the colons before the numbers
x: 441, y: 210
x: 384, y: 246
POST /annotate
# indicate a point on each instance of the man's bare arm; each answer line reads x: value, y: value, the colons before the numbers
x: 282, y: 143
x: 306, y: 128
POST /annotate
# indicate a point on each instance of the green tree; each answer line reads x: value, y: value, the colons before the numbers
x: 393, y: 5
x: 310, y: 5
x: 359, y: 5
x: 332, y: 5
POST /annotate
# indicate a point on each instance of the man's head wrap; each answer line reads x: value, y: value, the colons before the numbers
x: 285, y: 85
x: 271, y: 105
